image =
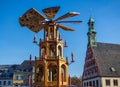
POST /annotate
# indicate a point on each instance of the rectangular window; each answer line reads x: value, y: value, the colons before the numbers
x: 26, y: 77
x: 97, y: 83
x: 84, y: 84
x: 9, y: 82
x: 21, y: 77
x: 16, y: 78
x: 87, y: 83
x: 4, y: 82
x: 90, y: 83
x: 93, y: 83
x: 115, y: 82
x: 107, y: 82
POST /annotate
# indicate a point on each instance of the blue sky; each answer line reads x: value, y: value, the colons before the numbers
x: 16, y: 41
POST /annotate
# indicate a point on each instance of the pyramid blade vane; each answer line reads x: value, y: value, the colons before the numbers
x: 51, y: 12
x: 32, y: 19
x: 74, y: 22
x: 67, y: 15
x: 65, y: 27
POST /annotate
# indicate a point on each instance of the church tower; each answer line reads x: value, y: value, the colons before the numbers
x: 91, y: 67
x: 91, y: 32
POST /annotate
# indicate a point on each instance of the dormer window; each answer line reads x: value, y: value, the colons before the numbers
x: 112, y: 69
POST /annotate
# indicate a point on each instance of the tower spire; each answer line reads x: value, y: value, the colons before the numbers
x: 91, y: 32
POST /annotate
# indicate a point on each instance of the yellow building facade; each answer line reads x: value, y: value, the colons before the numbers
x: 24, y: 74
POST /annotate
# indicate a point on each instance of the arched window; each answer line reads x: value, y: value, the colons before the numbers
x: 51, y: 51
x: 52, y: 72
x: 46, y: 34
x: 63, y: 73
x: 51, y: 33
x: 43, y: 51
x: 59, y: 51
x: 40, y: 73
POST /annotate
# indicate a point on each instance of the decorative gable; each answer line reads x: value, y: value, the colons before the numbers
x: 90, y: 66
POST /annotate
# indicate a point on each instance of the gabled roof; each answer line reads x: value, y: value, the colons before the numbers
x: 26, y: 65
x: 5, y: 66
x: 108, y: 57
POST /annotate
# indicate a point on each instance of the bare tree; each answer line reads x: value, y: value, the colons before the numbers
x: 76, y: 81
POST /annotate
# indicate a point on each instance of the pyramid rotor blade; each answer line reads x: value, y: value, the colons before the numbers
x: 51, y: 12
x: 65, y: 27
x: 69, y: 14
x: 32, y: 19
x: 74, y: 22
